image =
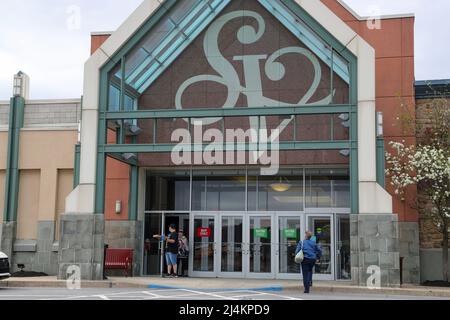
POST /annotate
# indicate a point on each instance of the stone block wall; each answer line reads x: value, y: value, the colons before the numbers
x: 410, y: 251
x: 81, y: 245
x: 375, y: 242
x: 40, y: 255
x: 125, y: 235
x: 7, y: 236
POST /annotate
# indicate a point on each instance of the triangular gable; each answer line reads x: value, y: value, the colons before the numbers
x: 185, y: 21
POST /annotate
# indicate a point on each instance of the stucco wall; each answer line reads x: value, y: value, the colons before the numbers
x: 28, y: 209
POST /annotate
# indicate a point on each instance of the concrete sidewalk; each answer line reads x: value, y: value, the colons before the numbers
x: 225, y: 284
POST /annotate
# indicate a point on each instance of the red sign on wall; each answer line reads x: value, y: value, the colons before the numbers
x: 204, y: 232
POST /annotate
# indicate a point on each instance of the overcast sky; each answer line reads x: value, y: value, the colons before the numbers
x: 47, y: 40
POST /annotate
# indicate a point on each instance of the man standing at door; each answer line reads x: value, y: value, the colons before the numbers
x: 171, y: 247
x: 172, y: 251
x: 312, y: 254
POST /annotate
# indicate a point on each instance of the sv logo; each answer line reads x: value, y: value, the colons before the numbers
x: 252, y: 89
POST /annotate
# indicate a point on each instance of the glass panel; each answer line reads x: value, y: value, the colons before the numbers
x: 341, y: 192
x: 152, y: 246
x: 225, y: 193
x: 199, y: 193
x: 260, y: 245
x: 343, y: 248
x: 276, y: 193
x: 232, y: 244
x: 204, y: 251
x: 328, y: 188
x: 218, y: 191
x: 166, y: 41
x: 321, y: 229
x: 318, y: 189
x: 289, y: 236
x: 168, y: 191
x: 113, y: 98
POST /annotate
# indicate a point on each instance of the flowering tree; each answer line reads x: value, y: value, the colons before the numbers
x: 428, y: 166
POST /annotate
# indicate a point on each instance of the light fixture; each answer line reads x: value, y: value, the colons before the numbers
x: 346, y: 124
x: 129, y: 156
x: 380, y: 125
x: 281, y: 186
x: 134, y: 130
x: 345, y: 152
x: 118, y: 207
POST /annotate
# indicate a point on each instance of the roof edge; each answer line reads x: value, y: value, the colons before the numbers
x: 383, y: 17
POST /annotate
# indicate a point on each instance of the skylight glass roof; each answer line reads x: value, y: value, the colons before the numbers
x: 163, y: 45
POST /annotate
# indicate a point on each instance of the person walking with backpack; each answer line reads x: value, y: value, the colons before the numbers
x: 312, y: 253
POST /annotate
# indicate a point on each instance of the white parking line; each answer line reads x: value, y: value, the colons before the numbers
x: 154, y: 295
x: 281, y: 296
x: 209, y: 294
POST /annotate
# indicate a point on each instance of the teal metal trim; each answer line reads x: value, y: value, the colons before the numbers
x: 76, y: 166
x: 118, y: 157
x: 133, y: 197
x: 16, y: 120
x: 284, y: 146
x: 381, y: 162
x: 298, y: 28
x: 321, y: 31
x: 234, y: 112
x: 147, y: 26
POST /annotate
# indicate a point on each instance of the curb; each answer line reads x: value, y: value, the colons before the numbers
x: 425, y: 292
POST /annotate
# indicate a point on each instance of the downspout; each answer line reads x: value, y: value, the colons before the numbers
x: 16, y: 121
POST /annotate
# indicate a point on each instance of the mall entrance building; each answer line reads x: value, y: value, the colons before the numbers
x: 245, y: 123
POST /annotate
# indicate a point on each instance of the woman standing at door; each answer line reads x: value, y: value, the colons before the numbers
x: 312, y: 254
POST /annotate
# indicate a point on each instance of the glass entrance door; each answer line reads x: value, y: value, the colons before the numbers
x: 322, y: 228
x: 203, y: 260
x: 231, y: 253
x: 260, y: 246
x: 289, y: 234
x: 153, y: 247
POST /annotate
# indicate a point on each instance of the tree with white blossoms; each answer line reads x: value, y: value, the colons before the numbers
x: 427, y: 166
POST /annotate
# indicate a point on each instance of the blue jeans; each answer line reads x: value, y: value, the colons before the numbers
x: 171, y: 259
x: 307, y: 270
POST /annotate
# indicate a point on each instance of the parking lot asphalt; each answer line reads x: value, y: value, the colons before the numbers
x: 55, y: 294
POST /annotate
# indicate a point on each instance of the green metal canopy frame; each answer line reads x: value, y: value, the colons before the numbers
x: 105, y: 115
